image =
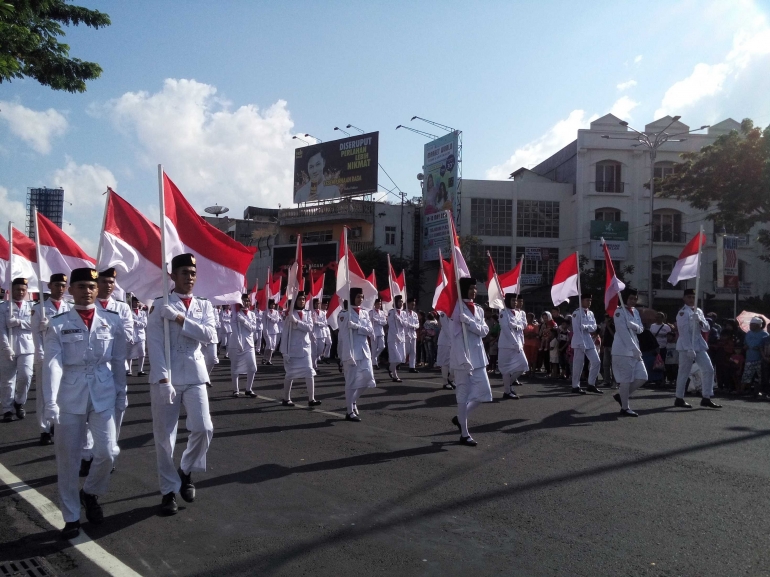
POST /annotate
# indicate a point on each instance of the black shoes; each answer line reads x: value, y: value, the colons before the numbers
x: 396, y: 380
x: 413, y: 371
x: 20, y: 412
x: 45, y: 439
x: 448, y: 387
x: 236, y: 394
x: 187, y: 490
x: 709, y: 403
x: 141, y: 374
x: 510, y: 395
x: 390, y: 373
x: 287, y: 403
x: 468, y: 441
x: 251, y: 394
x: 313, y: 403
x: 168, y: 504
x: 456, y: 423
x: 71, y: 530
x: 682, y: 403
x: 8, y: 417
x: 628, y: 413
x: 595, y: 389
x: 352, y: 417
x: 94, y: 512
x: 616, y: 396
x: 85, y: 467
x: 578, y: 391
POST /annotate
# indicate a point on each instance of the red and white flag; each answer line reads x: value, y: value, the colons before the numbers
x: 688, y: 264
x: 221, y: 261
x: 445, y: 295
x: 317, y: 286
x: 253, y: 294
x: 510, y: 282
x: 457, y: 255
x: 396, y: 287
x: 349, y: 275
x: 372, y: 278
x: 130, y: 242
x: 565, y: 281
x: 441, y: 280
x: 612, y: 284
x: 24, y: 260
x: 58, y: 252
x: 454, y: 270
x: 296, y: 280
x: 495, y: 294
x: 5, y: 252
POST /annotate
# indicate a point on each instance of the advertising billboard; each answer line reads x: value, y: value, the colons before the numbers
x: 439, y: 193
x: 330, y: 170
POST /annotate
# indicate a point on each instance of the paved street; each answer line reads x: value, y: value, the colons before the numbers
x: 558, y: 485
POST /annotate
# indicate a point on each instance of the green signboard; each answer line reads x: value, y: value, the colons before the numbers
x: 609, y: 230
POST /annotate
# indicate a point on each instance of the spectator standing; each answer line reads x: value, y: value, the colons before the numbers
x: 553, y: 352
x: 531, y: 342
x: 430, y: 334
x: 649, y: 347
x: 752, y: 367
x: 608, y: 337
x: 672, y: 359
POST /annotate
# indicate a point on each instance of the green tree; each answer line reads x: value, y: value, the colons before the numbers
x: 732, y: 175
x: 30, y: 47
x: 475, y: 257
x: 593, y: 280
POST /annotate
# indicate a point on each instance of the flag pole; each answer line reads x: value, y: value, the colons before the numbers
x: 697, y: 278
x: 347, y: 281
x: 10, y: 282
x: 166, y: 335
x: 104, y: 224
x: 457, y: 281
x: 580, y: 299
x: 39, y: 263
x: 497, y: 278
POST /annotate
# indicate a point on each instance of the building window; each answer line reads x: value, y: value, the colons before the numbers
x: 390, y: 235
x: 608, y: 176
x: 607, y: 214
x: 741, y: 271
x: 538, y: 261
x: 661, y: 270
x: 317, y: 236
x: 537, y: 218
x: 667, y: 226
x: 501, y: 256
x: 491, y: 217
x: 663, y: 169
x: 599, y: 265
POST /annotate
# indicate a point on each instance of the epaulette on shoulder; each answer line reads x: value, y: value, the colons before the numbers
x: 60, y: 315
x: 111, y: 312
x: 202, y: 298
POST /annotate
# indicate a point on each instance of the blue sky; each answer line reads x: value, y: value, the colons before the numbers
x: 215, y: 91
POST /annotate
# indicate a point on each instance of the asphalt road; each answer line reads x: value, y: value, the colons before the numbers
x: 558, y: 485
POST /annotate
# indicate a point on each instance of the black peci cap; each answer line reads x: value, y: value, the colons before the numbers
x: 20, y: 281
x: 688, y: 292
x: 83, y: 274
x: 109, y: 273
x: 57, y: 277
x: 181, y: 260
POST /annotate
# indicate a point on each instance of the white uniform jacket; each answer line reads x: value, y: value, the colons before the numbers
x: 511, y: 330
x: 379, y: 322
x: 125, y: 313
x: 39, y: 328
x: 258, y: 321
x: 476, y: 329
x: 628, y: 325
x: 396, y: 323
x: 412, y: 323
x: 690, y: 324
x: 244, y: 326
x: 445, y: 334
x: 272, y: 318
x: 359, y: 326
x: 320, y: 324
x: 23, y: 343
x: 140, y: 324
x: 583, y: 324
x: 295, y: 339
x: 80, y: 364
x: 225, y: 320
x: 188, y: 366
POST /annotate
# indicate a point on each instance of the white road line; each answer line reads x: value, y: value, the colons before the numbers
x: 304, y: 407
x: 52, y: 515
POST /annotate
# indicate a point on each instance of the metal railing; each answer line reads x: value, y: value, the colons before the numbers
x: 609, y: 186
x: 344, y: 210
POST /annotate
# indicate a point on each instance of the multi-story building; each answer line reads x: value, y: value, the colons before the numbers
x: 49, y: 203
x: 596, y: 187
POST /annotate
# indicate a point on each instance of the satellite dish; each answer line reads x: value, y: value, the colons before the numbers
x: 216, y: 209
x: 420, y: 176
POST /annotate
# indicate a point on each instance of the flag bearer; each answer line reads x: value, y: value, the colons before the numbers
x: 512, y: 360
x: 17, y: 350
x: 692, y: 347
x: 355, y: 331
x: 272, y: 319
x: 411, y: 324
x: 136, y: 349
x: 444, y: 350
x: 627, y: 364
x: 583, y: 324
x: 379, y: 320
x: 297, y: 351
x: 396, y: 337
x: 243, y: 360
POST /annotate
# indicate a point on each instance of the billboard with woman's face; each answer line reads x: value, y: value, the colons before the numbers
x: 329, y: 170
x: 439, y: 192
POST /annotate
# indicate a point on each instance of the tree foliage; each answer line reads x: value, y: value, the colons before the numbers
x: 732, y: 175
x: 30, y: 47
x: 475, y: 257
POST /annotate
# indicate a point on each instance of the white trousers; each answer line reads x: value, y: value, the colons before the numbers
x: 69, y: 441
x: 578, y: 360
x: 411, y: 350
x: 165, y: 418
x: 45, y: 427
x: 15, y: 379
x: 707, y: 370
x: 379, y: 346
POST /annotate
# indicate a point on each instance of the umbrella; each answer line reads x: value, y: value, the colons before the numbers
x: 745, y: 318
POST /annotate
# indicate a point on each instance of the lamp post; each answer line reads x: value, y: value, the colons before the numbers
x: 311, y: 136
x: 300, y: 139
x: 652, y: 141
x: 345, y: 132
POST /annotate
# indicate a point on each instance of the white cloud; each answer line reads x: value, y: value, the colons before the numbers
x: 623, y: 107
x: 11, y: 210
x: 749, y: 56
x: 214, y: 153
x: 626, y: 85
x: 36, y: 128
x: 534, y: 152
x: 638, y: 59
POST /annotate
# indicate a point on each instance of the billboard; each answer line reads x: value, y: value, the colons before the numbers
x: 440, y: 190
x: 330, y: 170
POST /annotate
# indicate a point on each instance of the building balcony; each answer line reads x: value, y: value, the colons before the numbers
x: 609, y: 186
x: 344, y: 211
x: 358, y: 245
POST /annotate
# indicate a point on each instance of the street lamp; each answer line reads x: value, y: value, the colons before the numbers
x: 356, y: 127
x: 311, y: 136
x: 301, y: 139
x: 652, y: 141
x: 342, y: 131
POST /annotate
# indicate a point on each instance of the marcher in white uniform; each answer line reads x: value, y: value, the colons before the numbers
x: 692, y: 347
x: 327, y: 333
x: 511, y: 360
x: 17, y: 351
x: 469, y: 360
x: 136, y: 350
x: 379, y: 320
x: 272, y: 318
x: 627, y: 364
x: 211, y: 350
x: 444, y: 350
x: 84, y: 383
x: 317, y: 338
x: 258, y: 324
x: 225, y: 329
x: 355, y: 331
x: 396, y: 337
x: 42, y: 313
x: 243, y: 360
x: 191, y: 324
x: 411, y: 324
x: 583, y: 324
x: 297, y: 351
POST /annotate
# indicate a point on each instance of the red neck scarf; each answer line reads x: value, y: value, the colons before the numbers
x: 19, y: 303
x: 471, y: 306
x: 56, y: 304
x: 300, y: 314
x: 87, y: 316
x: 104, y: 303
x: 357, y: 309
x: 185, y: 301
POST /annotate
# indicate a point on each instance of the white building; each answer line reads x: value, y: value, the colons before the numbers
x: 547, y: 212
